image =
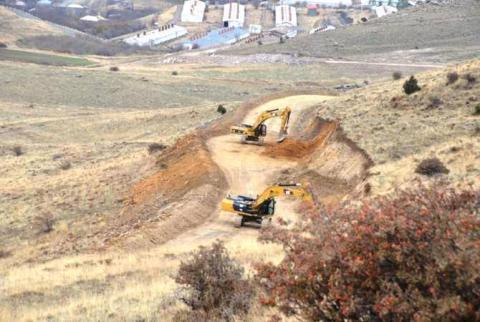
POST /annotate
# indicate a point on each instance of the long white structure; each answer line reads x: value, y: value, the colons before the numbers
x: 233, y: 15
x: 381, y: 11
x: 329, y: 3
x: 90, y: 18
x: 193, y: 11
x: 157, y: 36
x: 285, y: 15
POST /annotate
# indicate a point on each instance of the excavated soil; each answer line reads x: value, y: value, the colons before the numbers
x: 182, y: 192
x: 178, y: 202
x: 296, y: 148
x: 199, y: 169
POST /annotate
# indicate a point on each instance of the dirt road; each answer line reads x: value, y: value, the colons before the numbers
x: 247, y: 172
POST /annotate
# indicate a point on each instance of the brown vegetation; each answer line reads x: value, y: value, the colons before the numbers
x: 221, y: 109
x: 411, y: 86
x: 410, y: 257
x: 452, y: 77
x: 156, y: 147
x: 430, y: 167
x: 17, y: 150
x: 215, y: 286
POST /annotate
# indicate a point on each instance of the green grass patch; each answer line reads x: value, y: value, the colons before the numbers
x: 43, y: 59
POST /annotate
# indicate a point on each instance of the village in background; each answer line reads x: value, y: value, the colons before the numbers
x: 172, y: 25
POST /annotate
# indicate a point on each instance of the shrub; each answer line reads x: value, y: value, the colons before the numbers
x: 114, y: 69
x: 3, y: 45
x: 435, y: 102
x: 476, y: 111
x: 5, y: 253
x: 221, y: 109
x: 411, y: 86
x: 174, y: 73
x: 44, y: 223
x: 470, y: 79
x: 414, y: 257
x: 65, y: 165
x: 215, y: 287
x: 155, y: 147
x: 452, y: 77
x: 397, y: 75
x: 430, y: 167
x: 17, y: 150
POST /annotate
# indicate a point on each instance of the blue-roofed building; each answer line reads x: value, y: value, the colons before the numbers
x: 218, y: 37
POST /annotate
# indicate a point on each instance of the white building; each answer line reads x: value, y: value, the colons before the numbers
x: 156, y: 36
x: 328, y: 3
x: 233, y: 15
x: 193, y: 11
x: 381, y: 11
x: 285, y: 15
x: 89, y: 18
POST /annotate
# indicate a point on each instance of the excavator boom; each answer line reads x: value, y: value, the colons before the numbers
x: 280, y: 189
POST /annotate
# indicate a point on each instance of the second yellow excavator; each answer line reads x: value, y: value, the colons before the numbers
x: 263, y: 207
x: 258, y: 130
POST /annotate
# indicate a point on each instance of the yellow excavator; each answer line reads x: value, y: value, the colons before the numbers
x: 257, y: 131
x: 263, y: 207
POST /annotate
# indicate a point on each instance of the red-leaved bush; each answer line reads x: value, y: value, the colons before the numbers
x: 413, y: 257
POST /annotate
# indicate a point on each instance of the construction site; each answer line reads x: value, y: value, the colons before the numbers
x: 116, y: 168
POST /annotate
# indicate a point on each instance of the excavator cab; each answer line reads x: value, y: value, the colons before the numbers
x: 263, y: 206
x: 267, y: 208
x: 261, y: 130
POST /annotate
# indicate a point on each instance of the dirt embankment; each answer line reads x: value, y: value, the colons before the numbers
x: 316, y: 135
x: 186, y: 181
x: 183, y: 190
x: 330, y: 162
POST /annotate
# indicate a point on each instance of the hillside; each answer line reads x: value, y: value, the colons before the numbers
x: 113, y: 168
x: 398, y: 131
x: 14, y: 27
x: 122, y: 219
x: 434, y: 33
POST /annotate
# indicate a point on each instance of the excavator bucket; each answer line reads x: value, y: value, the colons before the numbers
x: 284, y: 129
x: 281, y: 137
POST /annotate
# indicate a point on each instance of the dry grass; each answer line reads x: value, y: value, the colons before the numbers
x: 398, y: 131
x: 113, y: 286
x: 102, y: 123
x: 14, y: 27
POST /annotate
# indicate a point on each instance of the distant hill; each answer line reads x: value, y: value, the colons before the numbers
x: 444, y: 32
x: 14, y: 27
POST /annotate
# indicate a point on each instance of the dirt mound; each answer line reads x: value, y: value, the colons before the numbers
x: 184, y: 166
x: 181, y: 194
x: 319, y: 131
